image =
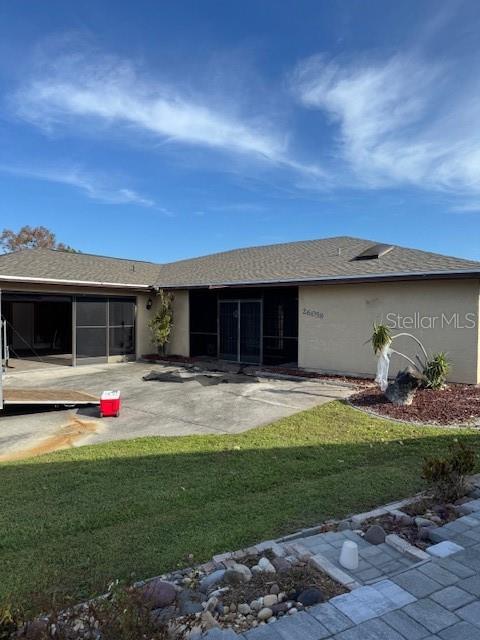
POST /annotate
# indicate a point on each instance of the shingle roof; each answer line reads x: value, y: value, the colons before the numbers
x: 79, y: 267
x: 310, y: 260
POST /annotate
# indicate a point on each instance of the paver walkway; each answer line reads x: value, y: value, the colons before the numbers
x: 396, y: 597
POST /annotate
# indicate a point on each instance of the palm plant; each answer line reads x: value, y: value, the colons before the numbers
x: 436, y: 370
x: 381, y: 337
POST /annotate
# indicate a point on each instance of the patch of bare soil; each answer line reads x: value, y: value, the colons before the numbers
x: 65, y: 438
x: 415, y: 532
x: 424, y: 508
x: 456, y: 404
x: 291, y: 582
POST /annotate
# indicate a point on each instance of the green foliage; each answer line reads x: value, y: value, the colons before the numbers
x: 162, y: 322
x: 381, y: 337
x: 8, y: 622
x: 31, y: 238
x: 436, y: 371
x: 447, y: 476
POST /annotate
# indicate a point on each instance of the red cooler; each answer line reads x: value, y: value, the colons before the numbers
x: 110, y: 404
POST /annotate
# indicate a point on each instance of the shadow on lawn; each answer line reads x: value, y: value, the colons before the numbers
x: 72, y: 521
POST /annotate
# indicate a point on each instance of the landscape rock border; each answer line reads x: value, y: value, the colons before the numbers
x: 176, y: 599
x: 456, y: 406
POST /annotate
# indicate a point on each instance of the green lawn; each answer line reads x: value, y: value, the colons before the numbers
x: 73, y: 520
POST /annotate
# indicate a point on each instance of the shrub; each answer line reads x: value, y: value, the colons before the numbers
x: 162, y: 322
x: 447, y: 477
x: 122, y: 614
x: 436, y: 371
x: 8, y: 624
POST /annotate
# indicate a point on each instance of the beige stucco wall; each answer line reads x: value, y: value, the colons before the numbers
x: 179, y: 343
x: 337, y: 342
x: 144, y: 343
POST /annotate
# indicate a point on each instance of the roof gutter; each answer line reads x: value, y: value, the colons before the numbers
x: 384, y: 277
x: 88, y: 283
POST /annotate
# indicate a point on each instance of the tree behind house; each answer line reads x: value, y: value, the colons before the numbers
x: 31, y: 238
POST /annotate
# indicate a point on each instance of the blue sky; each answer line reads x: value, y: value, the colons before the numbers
x: 165, y: 130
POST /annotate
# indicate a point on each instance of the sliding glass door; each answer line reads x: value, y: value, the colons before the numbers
x: 103, y: 327
x: 240, y: 330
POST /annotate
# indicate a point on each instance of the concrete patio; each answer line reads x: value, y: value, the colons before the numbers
x: 180, y: 403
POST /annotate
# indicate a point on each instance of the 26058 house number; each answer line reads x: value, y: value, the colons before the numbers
x: 312, y: 313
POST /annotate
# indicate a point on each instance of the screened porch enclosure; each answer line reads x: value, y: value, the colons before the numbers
x: 250, y: 326
x: 104, y: 327
x: 53, y: 329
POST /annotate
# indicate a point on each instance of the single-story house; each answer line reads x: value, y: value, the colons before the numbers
x: 309, y: 304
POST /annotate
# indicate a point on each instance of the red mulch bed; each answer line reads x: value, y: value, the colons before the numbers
x: 457, y: 404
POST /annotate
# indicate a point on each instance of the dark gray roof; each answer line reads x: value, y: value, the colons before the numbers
x: 308, y: 261
x: 311, y: 260
x: 51, y: 264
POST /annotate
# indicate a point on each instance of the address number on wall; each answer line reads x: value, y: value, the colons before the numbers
x: 313, y: 313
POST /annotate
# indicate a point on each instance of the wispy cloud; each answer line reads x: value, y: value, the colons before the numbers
x: 467, y: 207
x: 105, y: 91
x: 238, y: 207
x: 90, y: 185
x: 399, y: 121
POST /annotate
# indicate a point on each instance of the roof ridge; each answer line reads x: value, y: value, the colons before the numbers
x: 78, y: 253
x: 266, y: 246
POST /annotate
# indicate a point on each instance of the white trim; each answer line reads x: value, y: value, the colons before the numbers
x: 320, y: 279
x: 90, y: 283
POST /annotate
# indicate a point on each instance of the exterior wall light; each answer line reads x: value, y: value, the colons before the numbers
x: 149, y: 304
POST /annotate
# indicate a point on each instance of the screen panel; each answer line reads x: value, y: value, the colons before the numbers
x: 250, y: 331
x: 228, y: 324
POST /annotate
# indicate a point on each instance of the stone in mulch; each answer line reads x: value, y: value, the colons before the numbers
x: 248, y: 593
x: 375, y: 534
x: 237, y: 574
x: 402, y: 390
x: 212, y: 579
x: 158, y: 593
x: 456, y: 404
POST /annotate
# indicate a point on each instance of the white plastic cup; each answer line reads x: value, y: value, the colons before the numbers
x: 349, y: 555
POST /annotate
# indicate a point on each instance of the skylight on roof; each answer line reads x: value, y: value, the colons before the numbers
x: 374, y: 252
